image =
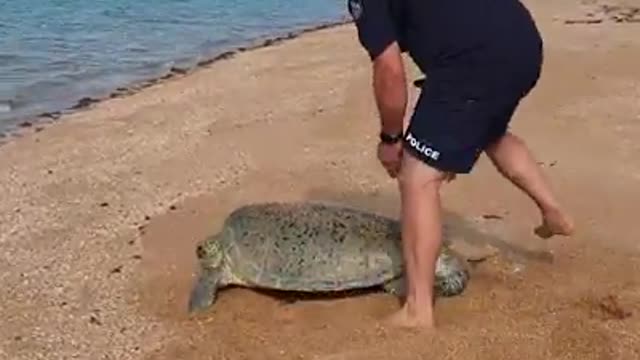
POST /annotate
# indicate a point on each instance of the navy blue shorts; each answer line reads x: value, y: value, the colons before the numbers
x: 455, y: 121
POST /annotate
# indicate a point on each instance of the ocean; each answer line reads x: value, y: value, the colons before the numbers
x: 55, y: 52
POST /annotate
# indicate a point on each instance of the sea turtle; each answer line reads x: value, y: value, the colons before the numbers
x: 310, y: 247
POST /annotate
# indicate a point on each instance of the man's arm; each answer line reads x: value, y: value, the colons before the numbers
x: 390, y: 89
x: 377, y: 34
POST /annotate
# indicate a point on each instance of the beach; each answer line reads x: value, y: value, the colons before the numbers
x: 101, y: 209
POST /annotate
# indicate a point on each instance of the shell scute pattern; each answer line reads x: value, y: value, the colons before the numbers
x: 311, y: 246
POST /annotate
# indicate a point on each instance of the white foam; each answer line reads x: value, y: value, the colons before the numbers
x: 5, y: 107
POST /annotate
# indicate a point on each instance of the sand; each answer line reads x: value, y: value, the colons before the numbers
x: 100, y: 211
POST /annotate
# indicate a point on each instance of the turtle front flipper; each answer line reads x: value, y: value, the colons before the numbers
x: 205, y: 290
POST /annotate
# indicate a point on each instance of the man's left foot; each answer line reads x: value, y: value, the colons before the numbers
x: 554, y: 223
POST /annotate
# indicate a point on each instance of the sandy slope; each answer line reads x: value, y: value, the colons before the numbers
x: 80, y: 279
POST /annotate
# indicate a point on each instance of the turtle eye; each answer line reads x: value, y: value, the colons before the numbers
x: 200, y: 252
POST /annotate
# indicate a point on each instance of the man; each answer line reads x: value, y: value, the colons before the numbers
x: 480, y: 57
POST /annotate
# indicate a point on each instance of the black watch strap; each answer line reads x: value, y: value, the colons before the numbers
x: 390, y: 139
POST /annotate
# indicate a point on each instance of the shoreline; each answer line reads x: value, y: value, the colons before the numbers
x: 37, y: 123
x: 102, y: 212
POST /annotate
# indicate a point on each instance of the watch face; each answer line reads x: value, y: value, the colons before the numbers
x: 390, y: 139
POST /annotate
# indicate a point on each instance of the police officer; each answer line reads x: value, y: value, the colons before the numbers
x: 480, y: 58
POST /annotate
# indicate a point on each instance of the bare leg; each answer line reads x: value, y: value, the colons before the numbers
x: 513, y: 159
x: 421, y: 240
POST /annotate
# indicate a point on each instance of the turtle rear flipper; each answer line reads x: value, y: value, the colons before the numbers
x: 449, y: 286
x: 453, y: 284
x: 452, y: 274
x: 205, y: 290
x: 396, y: 287
x: 450, y: 279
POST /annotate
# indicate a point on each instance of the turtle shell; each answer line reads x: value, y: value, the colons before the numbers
x: 310, y: 247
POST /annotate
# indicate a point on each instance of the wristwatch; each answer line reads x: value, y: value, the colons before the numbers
x: 390, y: 139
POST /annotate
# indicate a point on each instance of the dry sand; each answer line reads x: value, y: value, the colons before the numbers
x: 99, y: 212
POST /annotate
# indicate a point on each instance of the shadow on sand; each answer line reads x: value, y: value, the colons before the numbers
x: 478, y: 232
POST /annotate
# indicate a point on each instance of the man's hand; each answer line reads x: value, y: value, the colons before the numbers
x: 389, y: 85
x: 390, y: 156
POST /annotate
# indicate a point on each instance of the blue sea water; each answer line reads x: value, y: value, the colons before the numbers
x: 54, y: 52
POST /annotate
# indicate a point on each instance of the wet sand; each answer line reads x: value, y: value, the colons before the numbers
x: 100, y: 211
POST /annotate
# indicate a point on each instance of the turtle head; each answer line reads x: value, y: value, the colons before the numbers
x: 211, y: 257
x: 210, y: 252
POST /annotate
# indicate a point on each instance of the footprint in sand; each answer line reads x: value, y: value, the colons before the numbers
x: 578, y: 338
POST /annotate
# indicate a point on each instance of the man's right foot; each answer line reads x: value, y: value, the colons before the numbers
x: 555, y: 222
x: 404, y: 318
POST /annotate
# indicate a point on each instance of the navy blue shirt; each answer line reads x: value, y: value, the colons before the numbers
x: 442, y: 35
